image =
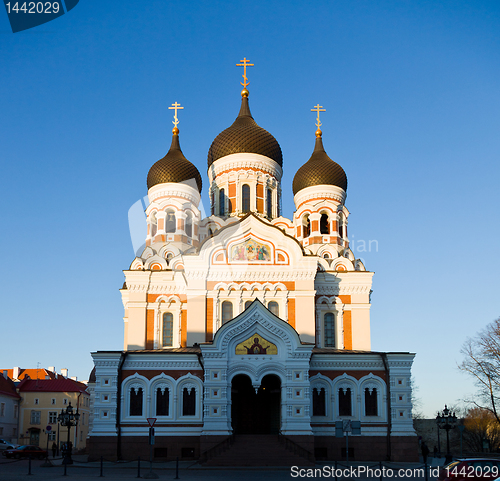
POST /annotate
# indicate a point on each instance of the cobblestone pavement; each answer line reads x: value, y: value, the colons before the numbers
x: 14, y: 470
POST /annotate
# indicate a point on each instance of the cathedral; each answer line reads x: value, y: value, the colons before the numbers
x: 246, y: 324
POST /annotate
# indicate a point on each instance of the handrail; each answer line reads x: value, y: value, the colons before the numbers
x: 217, y: 449
x: 295, y: 448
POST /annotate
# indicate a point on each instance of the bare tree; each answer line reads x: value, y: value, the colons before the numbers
x: 482, y: 362
x: 481, y: 425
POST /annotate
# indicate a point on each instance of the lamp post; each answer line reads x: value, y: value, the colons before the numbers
x: 68, y: 418
x: 446, y: 420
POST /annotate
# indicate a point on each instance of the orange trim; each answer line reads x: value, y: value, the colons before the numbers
x: 290, y: 285
x: 315, y: 200
x: 210, y: 320
x: 150, y: 328
x: 291, y: 312
x: 347, y: 330
x: 184, y: 317
x: 346, y: 299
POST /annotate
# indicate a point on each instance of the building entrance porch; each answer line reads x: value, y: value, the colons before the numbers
x: 256, y: 411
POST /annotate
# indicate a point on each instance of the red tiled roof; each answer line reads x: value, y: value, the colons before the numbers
x: 7, y: 387
x: 51, y: 385
x: 31, y: 373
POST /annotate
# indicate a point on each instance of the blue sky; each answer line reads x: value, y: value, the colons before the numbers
x: 413, y: 115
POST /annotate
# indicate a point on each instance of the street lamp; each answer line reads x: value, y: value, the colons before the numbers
x: 446, y: 420
x: 68, y: 418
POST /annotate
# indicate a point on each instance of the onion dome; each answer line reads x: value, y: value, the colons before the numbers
x: 319, y: 170
x: 174, y: 167
x: 245, y: 136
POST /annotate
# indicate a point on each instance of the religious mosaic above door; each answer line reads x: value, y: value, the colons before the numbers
x: 250, y: 250
x: 256, y: 345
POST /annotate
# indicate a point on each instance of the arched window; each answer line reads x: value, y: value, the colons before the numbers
x: 169, y: 257
x: 326, y: 255
x: 247, y: 304
x: 136, y: 396
x: 162, y: 401
x: 227, y: 311
x: 170, y: 227
x: 168, y: 329
x: 371, y: 408
x: 306, y: 226
x: 222, y: 202
x: 189, y: 225
x: 274, y: 308
x: 189, y: 401
x: 319, y: 402
x: 269, y: 206
x: 345, y: 408
x: 341, y: 227
x: 324, y: 224
x: 329, y: 330
x: 245, y: 198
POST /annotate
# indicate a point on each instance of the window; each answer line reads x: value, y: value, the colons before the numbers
x: 65, y: 400
x: 37, y: 401
x: 227, y: 311
x: 274, y: 308
x: 341, y: 228
x: 306, y: 226
x: 52, y: 435
x: 35, y: 417
x: 136, y: 401
x: 345, y: 402
x: 371, y: 408
x: 162, y: 400
x: 189, y: 401
x: 52, y: 417
x: 189, y: 225
x: 222, y: 202
x: 324, y: 224
x: 269, y: 202
x: 319, y: 402
x: 16, y: 411
x: 2, y: 410
x: 247, y: 304
x: 53, y: 401
x: 329, y: 330
x: 245, y: 198
x: 170, y: 227
x: 1, y: 430
x: 105, y: 397
x: 83, y: 419
x: 14, y: 432
x: 168, y: 329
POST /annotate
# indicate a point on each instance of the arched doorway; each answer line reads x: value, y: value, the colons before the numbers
x: 256, y: 412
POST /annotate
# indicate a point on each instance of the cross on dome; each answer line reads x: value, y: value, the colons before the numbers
x: 318, y: 108
x: 175, y: 107
x: 244, y: 63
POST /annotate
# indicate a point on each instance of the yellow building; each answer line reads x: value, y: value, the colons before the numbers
x: 42, y: 401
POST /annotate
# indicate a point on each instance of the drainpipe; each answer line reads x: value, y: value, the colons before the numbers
x: 123, y: 356
x: 388, y: 394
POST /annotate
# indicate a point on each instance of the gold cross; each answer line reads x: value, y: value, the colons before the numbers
x: 245, y: 64
x: 176, y: 107
x: 318, y: 108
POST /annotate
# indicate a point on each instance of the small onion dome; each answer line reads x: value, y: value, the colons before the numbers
x: 92, y: 377
x: 245, y: 136
x: 174, y: 167
x: 319, y: 170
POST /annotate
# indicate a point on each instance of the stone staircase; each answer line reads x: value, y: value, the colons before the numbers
x: 260, y: 450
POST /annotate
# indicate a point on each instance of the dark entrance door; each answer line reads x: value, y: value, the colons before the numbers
x: 256, y: 413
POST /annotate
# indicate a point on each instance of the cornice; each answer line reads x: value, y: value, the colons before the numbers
x: 244, y: 161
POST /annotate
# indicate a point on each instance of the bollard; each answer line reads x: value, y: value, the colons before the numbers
x: 29, y: 465
x: 177, y: 467
x: 101, y: 475
x: 65, y: 468
x: 139, y: 467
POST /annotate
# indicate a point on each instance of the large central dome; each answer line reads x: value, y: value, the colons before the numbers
x: 245, y: 136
